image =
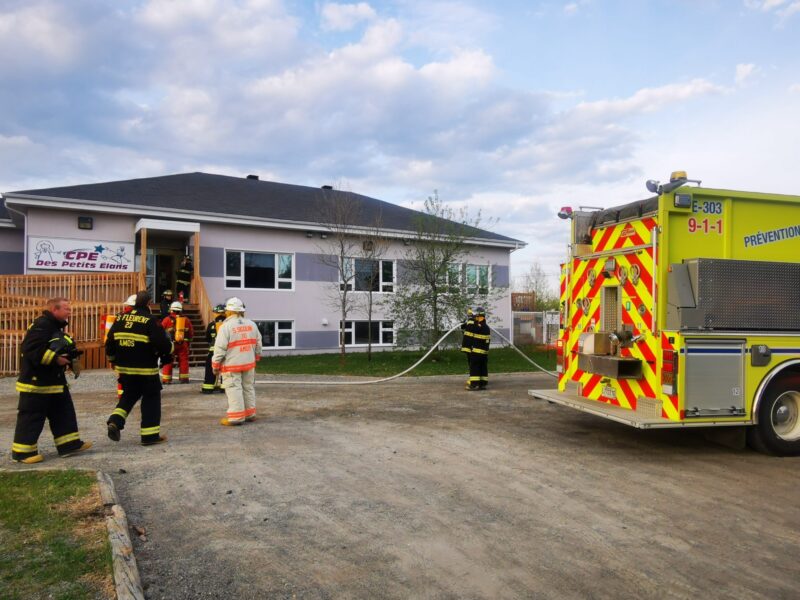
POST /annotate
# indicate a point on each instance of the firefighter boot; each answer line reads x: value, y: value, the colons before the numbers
x: 29, y: 460
x: 159, y: 440
x: 113, y: 432
x: 81, y: 448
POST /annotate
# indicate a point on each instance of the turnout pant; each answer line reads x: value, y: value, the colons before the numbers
x: 182, y: 354
x: 33, y: 409
x: 241, y: 391
x: 210, y: 383
x: 134, y: 387
x: 478, y: 370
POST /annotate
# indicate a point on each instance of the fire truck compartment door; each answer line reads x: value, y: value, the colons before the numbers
x: 714, y: 371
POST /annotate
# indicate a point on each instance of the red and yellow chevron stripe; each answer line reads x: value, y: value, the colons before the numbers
x: 623, y: 235
x: 630, y: 245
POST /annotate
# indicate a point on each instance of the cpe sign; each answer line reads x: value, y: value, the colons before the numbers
x: 57, y: 254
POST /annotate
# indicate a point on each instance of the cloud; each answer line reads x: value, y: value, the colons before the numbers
x: 794, y: 88
x: 782, y: 8
x: 745, y: 72
x: 39, y: 36
x: 573, y: 8
x: 344, y: 17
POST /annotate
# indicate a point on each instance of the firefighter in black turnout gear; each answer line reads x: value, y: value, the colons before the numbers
x: 166, y: 300
x: 479, y: 352
x: 183, y: 282
x: 211, y: 383
x: 42, y: 385
x: 135, y: 343
x: 466, y: 337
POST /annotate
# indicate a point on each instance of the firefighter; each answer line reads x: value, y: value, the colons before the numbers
x: 466, y: 337
x: 180, y: 331
x: 184, y: 281
x: 42, y: 385
x: 166, y: 300
x: 126, y: 308
x: 236, y: 351
x: 479, y: 354
x: 134, y: 345
x: 212, y: 383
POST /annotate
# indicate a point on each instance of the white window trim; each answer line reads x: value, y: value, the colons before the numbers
x: 488, y: 277
x: 381, y: 283
x: 265, y: 348
x: 381, y: 330
x: 278, y: 280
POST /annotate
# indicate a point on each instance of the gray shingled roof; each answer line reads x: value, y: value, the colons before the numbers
x: 239, y: 197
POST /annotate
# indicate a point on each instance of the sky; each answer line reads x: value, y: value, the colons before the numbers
x: 511, y: 108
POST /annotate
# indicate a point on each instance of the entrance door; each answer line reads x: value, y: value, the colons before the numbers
x: 165, y: 273
x: 167, y: 262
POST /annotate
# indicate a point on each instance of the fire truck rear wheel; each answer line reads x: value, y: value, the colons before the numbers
x: 778, y: 428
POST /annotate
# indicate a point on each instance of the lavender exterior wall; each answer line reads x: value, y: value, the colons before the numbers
x: 64, y: 224
x: 313, y: 300
x: 311, y: 305
x: 12, y: 251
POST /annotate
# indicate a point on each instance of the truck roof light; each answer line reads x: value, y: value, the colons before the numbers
x: 565, y: 212
x: 676, y: 175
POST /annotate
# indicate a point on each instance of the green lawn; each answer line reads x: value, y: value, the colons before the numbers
x: 53, y: 540
x: 383, y: 364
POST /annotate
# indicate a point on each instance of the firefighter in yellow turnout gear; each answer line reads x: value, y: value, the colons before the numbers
x: 42, y: 385
x: 479, y: 352
x: 134, y: 345
x: 236, y: 351
x: 212, y: 383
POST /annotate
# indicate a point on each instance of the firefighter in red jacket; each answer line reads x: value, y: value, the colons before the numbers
x: 180, y: 331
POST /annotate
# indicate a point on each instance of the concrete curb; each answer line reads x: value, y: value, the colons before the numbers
x: 126, y: 574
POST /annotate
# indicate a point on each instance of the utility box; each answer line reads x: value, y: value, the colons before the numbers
x: 594, y: 343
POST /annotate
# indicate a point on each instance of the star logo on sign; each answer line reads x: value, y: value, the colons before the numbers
x: 99, y: 248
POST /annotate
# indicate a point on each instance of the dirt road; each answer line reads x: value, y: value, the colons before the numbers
x: 418, y: 489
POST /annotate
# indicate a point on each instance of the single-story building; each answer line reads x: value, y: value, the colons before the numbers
x: 262, y: 241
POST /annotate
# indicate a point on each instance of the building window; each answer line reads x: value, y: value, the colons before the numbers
x: 357, y: 333
x: 369, y: 275
x: 477, y: 279
x: 453, y: 278
x: 276, y: 334
x: 258, y: 270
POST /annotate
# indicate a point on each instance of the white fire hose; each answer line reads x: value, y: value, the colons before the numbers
x: 411, y: 368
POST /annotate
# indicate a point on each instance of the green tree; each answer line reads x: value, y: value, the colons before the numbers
x: 435, y: 286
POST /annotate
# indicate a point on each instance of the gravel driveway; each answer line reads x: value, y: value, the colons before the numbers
x: 419, y: 489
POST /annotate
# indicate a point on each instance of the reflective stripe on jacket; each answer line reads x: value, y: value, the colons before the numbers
x: 39, y: 371
x: 238, y: 345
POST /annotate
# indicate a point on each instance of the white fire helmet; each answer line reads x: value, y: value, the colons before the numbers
x: 234, y: 305
x: 176, y: 307
x: 131, y: 301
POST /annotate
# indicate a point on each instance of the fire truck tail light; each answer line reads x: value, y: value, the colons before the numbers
x: 669, y: 372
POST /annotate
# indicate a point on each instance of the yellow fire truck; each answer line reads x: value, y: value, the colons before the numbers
x: 683, y: 310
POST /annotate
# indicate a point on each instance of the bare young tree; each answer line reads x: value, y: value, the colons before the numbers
x: 535, y: 281
x: 434, y: 287
x: 340, y: 211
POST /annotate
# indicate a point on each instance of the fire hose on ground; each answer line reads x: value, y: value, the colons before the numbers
x: 408, y: 370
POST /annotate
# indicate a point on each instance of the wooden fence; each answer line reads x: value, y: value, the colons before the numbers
x: 91, y: 295
x: 78, y: 287
x: 85, y: 326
